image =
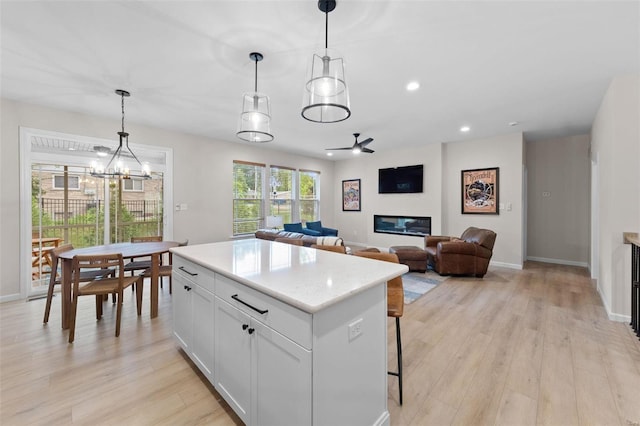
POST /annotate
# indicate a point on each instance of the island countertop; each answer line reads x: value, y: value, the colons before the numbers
x: 303, y: 277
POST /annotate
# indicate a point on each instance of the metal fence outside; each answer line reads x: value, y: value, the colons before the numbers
x: 84, y: 224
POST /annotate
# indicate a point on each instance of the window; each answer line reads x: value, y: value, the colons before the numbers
x: 133, y: 185
x: 58, y: 182
x: 281, y: 194
x: 248, y: 197
x: 309, y: 195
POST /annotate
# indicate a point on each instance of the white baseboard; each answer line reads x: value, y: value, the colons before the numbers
x: 10, y: 298
x: 506, y: 265
x: 558, y: 261
x: 611, y: 315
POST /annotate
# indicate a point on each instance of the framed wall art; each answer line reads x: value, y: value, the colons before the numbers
x: 480, y: 191
x: 351, y: 195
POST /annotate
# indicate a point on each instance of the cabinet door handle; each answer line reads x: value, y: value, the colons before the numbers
x: 251, y: 330
x: 186, y: 287
x: 193, y: 274
x: 245, y: 326
x: 260, y: 311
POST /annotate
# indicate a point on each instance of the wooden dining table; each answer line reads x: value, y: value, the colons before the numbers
x: 152, y: 249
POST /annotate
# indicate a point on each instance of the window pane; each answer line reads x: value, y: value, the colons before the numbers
x: 132, y: 185
x: 247, y: 193
x: 58, y: 182
x: 281, y: 195
x: 309, y: 196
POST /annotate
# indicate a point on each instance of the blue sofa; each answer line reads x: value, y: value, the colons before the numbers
x: 314, y: 229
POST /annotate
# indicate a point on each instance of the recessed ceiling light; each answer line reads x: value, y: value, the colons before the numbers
x: 329, y: 154
x: 465, y: 129
x: 414, y: 85
x: 513, y: 123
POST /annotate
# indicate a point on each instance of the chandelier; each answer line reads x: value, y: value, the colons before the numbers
x: 116, y: 167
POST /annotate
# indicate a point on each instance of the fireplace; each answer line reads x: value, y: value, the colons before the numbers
x: 402, y: 225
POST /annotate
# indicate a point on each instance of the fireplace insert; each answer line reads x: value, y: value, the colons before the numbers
x: 403, y: 225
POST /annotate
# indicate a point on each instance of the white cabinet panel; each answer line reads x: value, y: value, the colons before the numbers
x: 202, y: 304
x: 182, y: 314
x: 233, y: 358
x: 282, y: 379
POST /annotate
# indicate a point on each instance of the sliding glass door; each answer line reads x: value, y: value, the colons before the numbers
x: 69, y: 206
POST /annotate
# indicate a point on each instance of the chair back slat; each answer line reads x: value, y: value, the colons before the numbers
x: 96, y: 261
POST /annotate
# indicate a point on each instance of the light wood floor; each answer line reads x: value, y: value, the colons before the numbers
x: 516, y: 348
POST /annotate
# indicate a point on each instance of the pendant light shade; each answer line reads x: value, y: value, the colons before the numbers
x: 326, y: 96
x: 117, y: 167
x: 255, y: 120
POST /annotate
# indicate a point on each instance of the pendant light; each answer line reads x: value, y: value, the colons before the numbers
x: 117, y: 168
x: 326, y: 97
x: 255, y: 120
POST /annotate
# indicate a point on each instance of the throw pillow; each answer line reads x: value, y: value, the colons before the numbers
x: 293, y: 227
x: 315, y: 226
x: 329, y: 241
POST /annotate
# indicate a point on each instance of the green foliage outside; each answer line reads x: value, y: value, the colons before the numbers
x: 247, y: 193
x: 87, y: 229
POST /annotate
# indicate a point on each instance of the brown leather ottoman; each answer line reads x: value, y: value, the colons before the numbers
x: 414, y: 257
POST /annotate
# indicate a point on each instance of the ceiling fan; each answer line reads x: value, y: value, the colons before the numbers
x: 357, y: 147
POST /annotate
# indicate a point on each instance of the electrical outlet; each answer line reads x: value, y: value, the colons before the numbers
x: 546, y: 194
x: 355, y: 329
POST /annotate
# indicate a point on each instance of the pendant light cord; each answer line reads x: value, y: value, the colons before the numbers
x: 326, y: 30
x: 122, y: 106
x: 256, y: 76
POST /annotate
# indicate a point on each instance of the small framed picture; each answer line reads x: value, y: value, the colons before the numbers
x: 480, y: 190
x: 351, y: 195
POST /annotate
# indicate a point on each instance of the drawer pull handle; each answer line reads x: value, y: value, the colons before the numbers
x: 245, y: 326
x: 193, y: 274
x: 260, y: 311
x: 251, y: 330
x: 186, y: 287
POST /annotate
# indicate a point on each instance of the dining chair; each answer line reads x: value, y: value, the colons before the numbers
x: 56, y: 276
x: 395, y: 306
x: 141, y: 263
x: 336, y: 249
x: 100, y: 287
x: 165, y: 270
x: 135, y: 265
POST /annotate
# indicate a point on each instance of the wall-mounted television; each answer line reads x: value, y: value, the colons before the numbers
x: 407, y: 179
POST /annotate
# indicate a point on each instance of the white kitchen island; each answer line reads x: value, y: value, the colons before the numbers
x: 286, y: 334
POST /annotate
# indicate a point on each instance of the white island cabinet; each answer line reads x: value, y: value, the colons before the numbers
x: 287, y: 335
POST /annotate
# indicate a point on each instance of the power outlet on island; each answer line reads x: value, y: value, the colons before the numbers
x: 355, y: 329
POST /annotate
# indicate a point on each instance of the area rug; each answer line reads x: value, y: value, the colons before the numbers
x: 416, y: 284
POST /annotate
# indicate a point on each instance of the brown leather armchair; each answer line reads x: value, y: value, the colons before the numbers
x: 469, y: 254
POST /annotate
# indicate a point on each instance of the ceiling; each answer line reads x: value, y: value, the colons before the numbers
x: 485, y: 64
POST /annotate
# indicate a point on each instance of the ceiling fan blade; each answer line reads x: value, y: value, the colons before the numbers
x: 334, y: 149
x: 367, y: 150
x: 365, y: 142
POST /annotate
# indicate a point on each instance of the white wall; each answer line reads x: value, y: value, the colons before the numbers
x: 559, y: 200
x: 507, y: 153
x: 615, y: 143
x: 202, y: 177
x: 358, y: 226
x: 442, y: 191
